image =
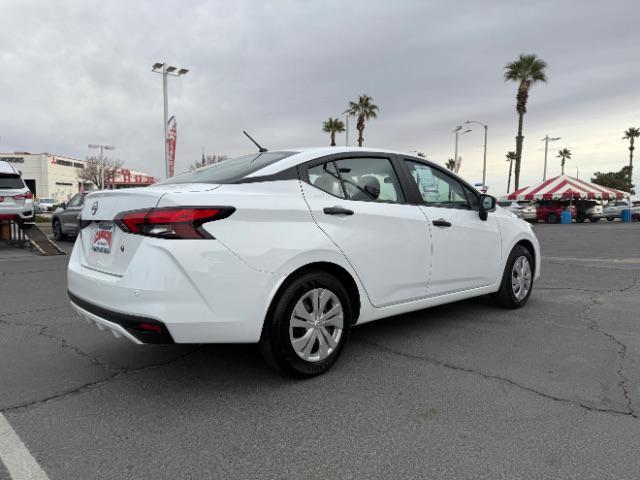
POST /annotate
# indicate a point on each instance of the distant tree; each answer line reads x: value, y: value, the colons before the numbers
x: 631, y: 134
x: 422, y: 154
x: 93, y: 167
x: 450, y: 164
x: 511, y: 156
x: 363, y: 110
x: 526, y: 70
x: 208, y: 160
x: 333, y: 126
x: 563, y: 155
x: 619, y: 180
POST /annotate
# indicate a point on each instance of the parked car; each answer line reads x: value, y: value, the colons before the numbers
x: 588, y: 210
x: 512, y: 207
x: 525, y: 210
x: 16, y: 200
x: 635, y: 210
x: 614, y: 209
x: 64, y: 221
x: 550, y: 211
x: 44, y: 205
x: 319, y: 240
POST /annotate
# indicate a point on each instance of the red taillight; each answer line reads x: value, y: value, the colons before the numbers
x: 24, y: 196
x: 150, y: 327
x: 171, y: 222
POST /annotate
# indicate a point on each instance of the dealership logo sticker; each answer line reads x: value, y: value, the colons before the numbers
x: 94, y: 208
x: 102, y: 239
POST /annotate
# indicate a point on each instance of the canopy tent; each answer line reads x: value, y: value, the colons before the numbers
x: 565, y: 187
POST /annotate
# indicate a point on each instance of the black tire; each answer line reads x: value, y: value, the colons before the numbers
x: 505, y: 297
x: 275, y: 342
x: 57, y: 230
x: 594, y: 220
x: 552, y: 218
x: 611, y: 219
x: 580, y: 220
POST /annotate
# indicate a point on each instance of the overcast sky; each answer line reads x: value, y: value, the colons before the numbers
x: 78, y: 72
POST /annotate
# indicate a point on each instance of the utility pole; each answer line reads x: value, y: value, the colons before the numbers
x: 166, y: 70
x: 546, y: 141
x: 102, y: 147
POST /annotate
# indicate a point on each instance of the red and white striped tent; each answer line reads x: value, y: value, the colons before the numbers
x: 565, y: 187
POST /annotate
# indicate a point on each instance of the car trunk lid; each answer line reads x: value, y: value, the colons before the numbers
x: 105, y: 247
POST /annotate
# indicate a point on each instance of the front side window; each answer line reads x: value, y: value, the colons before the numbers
x: 75, y: 201
x: 437, y: 188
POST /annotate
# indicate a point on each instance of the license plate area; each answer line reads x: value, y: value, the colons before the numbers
x: 102, y: 239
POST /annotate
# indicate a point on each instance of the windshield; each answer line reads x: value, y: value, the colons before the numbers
x: 11, y: 181
x: 228, y: 171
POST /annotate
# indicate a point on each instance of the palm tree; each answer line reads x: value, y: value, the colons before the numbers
x: 363, y: 109
x: 511, y: 156
x: 527, y: 70
x: 631, y: 134
x: 450, y: 164
x: 564, y: 155
x: 333, y: 126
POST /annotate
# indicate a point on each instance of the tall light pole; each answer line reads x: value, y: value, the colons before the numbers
x: 484, y: 160
x: 458, y: 133
x: 101, y: 147
x: 165, y: 69
x: 546, y: 141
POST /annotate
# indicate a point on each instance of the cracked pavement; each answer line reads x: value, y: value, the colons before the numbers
x: 460, y: 391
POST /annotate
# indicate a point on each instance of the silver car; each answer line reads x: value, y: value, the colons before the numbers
x: 523, y: 209
x: 16, y: 200
x: 64, y: 221
x: 614, y: 209
x: 44, y: 205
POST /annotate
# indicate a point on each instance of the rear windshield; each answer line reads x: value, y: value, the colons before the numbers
x: 228, y: 171
x: 11, y: 181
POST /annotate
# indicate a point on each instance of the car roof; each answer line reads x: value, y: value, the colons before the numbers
x: 7, y: 168
x: 301, y: 155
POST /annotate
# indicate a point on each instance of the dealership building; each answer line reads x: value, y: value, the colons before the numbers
x: 56, y: 176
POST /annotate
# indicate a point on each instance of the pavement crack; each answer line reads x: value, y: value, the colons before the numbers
x: 505, y: 380
x: 116, y: 373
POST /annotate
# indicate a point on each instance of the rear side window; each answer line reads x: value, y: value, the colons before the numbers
x: 326, y: 178
x: 228, y: 171
x: 11, y: 182
x: 370, y: 180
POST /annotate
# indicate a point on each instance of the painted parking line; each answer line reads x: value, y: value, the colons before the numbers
x: 15, y: 456
x: 631, y: 260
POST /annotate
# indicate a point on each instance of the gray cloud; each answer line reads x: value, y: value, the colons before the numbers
x: 76, y: 72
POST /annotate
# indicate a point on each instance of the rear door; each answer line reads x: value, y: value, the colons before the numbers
x: 467, y: 251
x: 359, y: 203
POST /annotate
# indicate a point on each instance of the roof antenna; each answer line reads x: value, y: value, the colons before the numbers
x: 260, y: 149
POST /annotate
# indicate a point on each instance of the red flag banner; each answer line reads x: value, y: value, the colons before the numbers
x: 173, y: 136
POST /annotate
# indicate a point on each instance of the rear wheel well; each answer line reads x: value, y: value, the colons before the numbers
x: 337, y: 271
x: 529, y: 246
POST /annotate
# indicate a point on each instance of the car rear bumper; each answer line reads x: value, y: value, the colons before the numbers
x: 197, y: 289
x: 22, y: 214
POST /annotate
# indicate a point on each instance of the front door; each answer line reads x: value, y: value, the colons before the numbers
x: 359, y: 203
x: 466, y: 249
x: 71, y: 214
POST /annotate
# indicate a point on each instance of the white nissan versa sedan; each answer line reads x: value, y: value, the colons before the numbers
x: 291, y: 249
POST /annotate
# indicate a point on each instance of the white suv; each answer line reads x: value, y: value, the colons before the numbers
x: 16, y: 200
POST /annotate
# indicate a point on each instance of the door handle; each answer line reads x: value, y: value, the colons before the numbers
x: 441, y: 222
x: 337, y: 211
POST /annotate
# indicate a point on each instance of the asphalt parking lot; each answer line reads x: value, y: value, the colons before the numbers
x: 461, y: 391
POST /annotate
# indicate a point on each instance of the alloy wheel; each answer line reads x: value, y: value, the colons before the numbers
x: 316, y: 325
x: 521, y: 277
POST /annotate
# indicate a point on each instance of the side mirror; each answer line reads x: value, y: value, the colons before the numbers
x: 62, y: 205
x: 487, y: 204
